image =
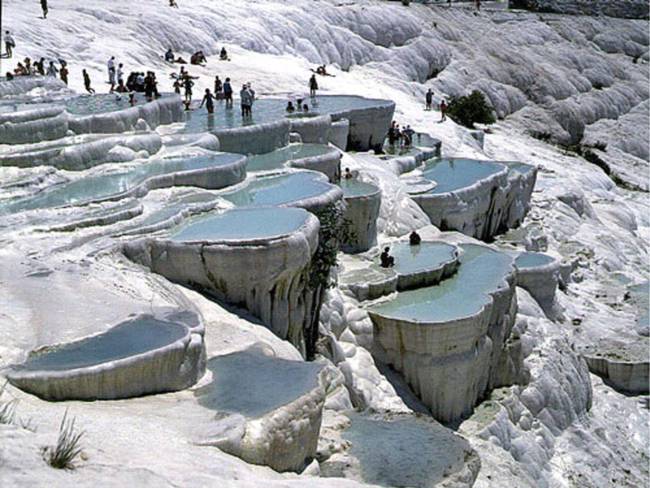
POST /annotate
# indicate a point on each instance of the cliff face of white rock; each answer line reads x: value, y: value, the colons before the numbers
x: 266, y: 276
x: 451, y: 362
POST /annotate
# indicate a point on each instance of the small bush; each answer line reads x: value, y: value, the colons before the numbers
x: 471, y: 109
x: 67, y: 447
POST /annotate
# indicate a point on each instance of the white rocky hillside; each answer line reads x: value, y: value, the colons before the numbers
x: 559, y: 85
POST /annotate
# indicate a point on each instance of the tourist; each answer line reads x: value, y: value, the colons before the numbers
x: 10, y: 44
x: 223, y: 55
x: 429, y: 99
x: 44, y: 8
x: 120, y: 74
x: 20, y: 70
x: 208, y: 100
x: 415, y: 239
x: 120, y: 88
x: 218, y: 88
x: 111, y: 70
x: 387, y: 261
x: 86, y: 78
x: 313, y: 86
x: 150, y: 86
x: 40, y: 66
x: 305, y: 107
x: 9, y: 75
x: 348, y: 174
x: 246, y: 101
x: 139, y: 82
x: 132, y: 99
x: 169, y: 56
x: 392, y: 134
x: 28, y: 66
x: 52, y: 70
x: 227, y: 93
x: 198, y: 58
x: 187, y: 85
x: 478, y: 4
x: 172, y: 3
x: 407, y: 135
x: 177, y: 86
x: 290, y: 108
x: 443, y: 111
x: 63, y: 73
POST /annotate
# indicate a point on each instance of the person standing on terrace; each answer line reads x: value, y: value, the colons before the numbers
x: 89, y: 88
x: 313, y: 86
x: 44, y: 8
x: 227, y: 93
x: 10, y: 44
x: 428, y: 99
x: 208, y: 100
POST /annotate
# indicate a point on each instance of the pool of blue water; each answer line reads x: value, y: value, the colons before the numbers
x: 404, y: 452
x: 242, y: 224
x: 425, y: 256
x: 280, y: 157
x: 532, y: 260
x: 105, y: 186
x: 267, y: 110
x: 127, y: 339
x: 355, y: 188
x: 279, y: 189
x: 454, y: 174
x: 481, y: 271
x: 251, y: 384
x: 104, y: 103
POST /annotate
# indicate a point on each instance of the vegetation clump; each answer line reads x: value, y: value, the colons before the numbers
x: 67, y: 449
x: 471, y: 109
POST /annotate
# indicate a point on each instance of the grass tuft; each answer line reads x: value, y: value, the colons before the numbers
x: 7, y: 408
x: 67, y: 448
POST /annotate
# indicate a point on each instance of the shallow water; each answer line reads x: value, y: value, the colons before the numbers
x: 104, y: 186
x: 481, y: 271
x: 532, y: 260
x: 103, y: 103
x: 278, y: 158
x: 279, y: 189
x: 122, y: 341
x: 267, y: 110
x: 403, y: 452
x: 454, y: 174
x: 355, y: 188
x: 427, y: 255
x: 242, y: 224
x: 251, y: 384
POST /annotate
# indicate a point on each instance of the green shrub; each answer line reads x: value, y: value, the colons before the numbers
x: 67, y: 449
x: 471, y: 109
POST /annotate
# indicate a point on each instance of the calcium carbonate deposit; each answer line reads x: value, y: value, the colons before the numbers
x: 297, y: 243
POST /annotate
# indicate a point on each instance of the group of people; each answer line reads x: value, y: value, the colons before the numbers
x: 297, y: 107
x: 29, y: 68
x: 388, y: 261
x: 400, y: 137
x: 428, y: 105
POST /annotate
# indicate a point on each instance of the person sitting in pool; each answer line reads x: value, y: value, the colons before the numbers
x: 120, y: 88
x: 9, y: 76
x: 20, y: 70
x: 415, y: 239
x: 223, y: 55
x: 348, y: 174
x: 305, y: 107
x: 290, y: 108
x: 169, y: 56
x: 387, y: 261
x: 208, y: 100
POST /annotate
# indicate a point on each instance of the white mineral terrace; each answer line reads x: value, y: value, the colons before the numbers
x: 205, y: 294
